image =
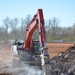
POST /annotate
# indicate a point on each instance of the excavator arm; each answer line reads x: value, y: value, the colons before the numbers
x: 36, y: 23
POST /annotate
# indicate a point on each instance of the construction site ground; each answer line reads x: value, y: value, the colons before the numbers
x: 55, y: 48
x: 6, y: 57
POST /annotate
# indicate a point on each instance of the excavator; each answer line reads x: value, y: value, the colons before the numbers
x: 33, y: 52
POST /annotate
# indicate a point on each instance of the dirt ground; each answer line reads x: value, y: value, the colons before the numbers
x: 6, y: 56
x: 55, y: 48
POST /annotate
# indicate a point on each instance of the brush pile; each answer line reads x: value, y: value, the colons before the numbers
x: 64, y: 63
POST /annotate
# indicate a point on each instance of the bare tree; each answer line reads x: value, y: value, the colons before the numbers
x: 23, y: 27
x: 27, y: 19
x: 14, y: 25
x: 24, y: 23
x: 49, y: 26
x: 2, y: 33
x: 54, y: 23
x: 6, y: 26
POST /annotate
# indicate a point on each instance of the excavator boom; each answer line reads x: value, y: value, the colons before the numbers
x: 36, y: 23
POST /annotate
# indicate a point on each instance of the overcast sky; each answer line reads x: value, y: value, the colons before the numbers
x: 64, y: 10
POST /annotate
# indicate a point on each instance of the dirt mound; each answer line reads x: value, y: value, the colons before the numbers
x: 64, y: 63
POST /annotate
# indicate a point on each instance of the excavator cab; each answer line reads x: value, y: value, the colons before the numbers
x: 36, y: 48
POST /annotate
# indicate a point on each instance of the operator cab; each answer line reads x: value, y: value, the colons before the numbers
x: 36, y: 47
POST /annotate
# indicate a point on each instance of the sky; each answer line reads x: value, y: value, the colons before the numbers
x: 64, y: 10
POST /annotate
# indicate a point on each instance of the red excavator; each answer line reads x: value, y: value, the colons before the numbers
x: 30, y: 51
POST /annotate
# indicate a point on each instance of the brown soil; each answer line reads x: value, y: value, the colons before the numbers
x: 6, y: 56
x: 55, y: 48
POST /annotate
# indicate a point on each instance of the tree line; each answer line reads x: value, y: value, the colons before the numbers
x: 16, y: 28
